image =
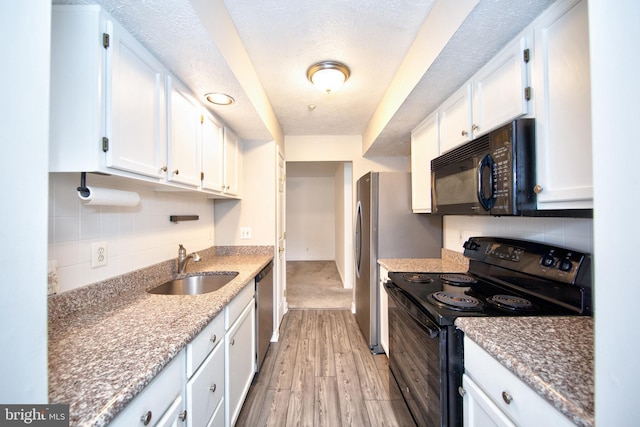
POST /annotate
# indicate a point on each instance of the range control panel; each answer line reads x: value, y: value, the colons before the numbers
x: 538, y: 259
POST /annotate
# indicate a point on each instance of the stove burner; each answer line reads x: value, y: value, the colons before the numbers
x: 510, y: 302
x: 417, y: 278
x: 456, y: 301
x: 458, y: 279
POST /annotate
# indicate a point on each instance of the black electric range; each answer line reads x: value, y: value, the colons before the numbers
x: 506, y: 277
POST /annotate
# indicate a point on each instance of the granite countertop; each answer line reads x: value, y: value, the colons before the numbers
x: 107, y: 341
x: 553, y: 355
x: 451, y: 262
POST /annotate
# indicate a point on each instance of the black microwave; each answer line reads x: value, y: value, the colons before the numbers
x: 493, y: 174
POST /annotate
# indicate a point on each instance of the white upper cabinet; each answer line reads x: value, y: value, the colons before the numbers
x: 231, y: 162
x: 562, y: 96
x: 212, y: 154
x: 185, y: 126
x: 496, y: 95
x: 424, y: 148
x: 455, y: 119
x: 499, y: 89
x: 136, y: 130
x: 107, y: 98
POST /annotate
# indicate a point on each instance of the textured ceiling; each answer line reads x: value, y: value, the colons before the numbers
x: 284, y: 37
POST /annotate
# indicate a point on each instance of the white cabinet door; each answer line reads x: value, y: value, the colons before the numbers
x: 479, y: 410
x: 562, y: 96
x: 212, y: 155
x: 424, y: 148
x: 157, y: 398
x: 185, y: 125
x: 240, y: 355
x: 499, y: 89
x: 136, y: 124
x: 455, y: 119
x: 383, y: 276
x: 205, y: 389
x: 231, y: 156
x: 175, y: 415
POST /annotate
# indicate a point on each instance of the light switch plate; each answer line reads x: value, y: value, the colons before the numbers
x: 99, y: 254
x: 245, y: 232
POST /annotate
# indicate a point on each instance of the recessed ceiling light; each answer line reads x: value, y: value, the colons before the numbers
x: 328, y: 76
x: 219, y: 98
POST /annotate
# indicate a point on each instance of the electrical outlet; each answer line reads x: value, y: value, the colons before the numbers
x: 245, y: 232
x: 99, y: 254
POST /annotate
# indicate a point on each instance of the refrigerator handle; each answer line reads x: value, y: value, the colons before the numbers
x: 358, y: 239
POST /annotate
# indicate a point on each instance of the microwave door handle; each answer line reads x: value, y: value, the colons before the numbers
x: 486, y: 203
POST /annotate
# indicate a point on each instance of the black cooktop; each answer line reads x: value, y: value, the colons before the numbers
x: 505, y: 278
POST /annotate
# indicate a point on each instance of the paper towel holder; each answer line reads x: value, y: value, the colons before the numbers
x: 83, y: 190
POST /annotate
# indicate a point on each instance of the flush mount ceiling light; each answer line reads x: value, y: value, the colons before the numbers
x: 219, y: 98
x: 328, y: 76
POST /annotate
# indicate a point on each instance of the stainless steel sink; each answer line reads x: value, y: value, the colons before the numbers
x: 194, y: 285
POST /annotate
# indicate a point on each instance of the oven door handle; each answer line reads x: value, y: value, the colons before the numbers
x: 397, y: 295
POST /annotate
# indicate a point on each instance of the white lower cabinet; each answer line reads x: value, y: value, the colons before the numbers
x: 205, y: 390
x: 161, y: 400
x: 494, y: 396
x: 383, y: 276
x: 240, y: 353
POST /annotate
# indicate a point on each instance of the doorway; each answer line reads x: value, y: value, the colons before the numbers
x: 319, y: 222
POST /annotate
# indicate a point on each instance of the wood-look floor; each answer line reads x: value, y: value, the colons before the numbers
x: 321, y: 373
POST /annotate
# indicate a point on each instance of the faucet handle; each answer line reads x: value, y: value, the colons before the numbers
x: 181, y: 250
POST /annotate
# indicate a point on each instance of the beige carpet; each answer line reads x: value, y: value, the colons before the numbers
x: 316, y: 284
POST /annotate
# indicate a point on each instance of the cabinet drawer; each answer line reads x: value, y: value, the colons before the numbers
x: 238, y: 304
x: 526, y: 407
x: 206, y: 389
x: 203, y: 343
x: 156, y: 398
x: 218, y: 417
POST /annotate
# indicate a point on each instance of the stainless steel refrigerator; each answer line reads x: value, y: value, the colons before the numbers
x: 385, y: 227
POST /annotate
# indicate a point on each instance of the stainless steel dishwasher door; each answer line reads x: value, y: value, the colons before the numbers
x: 264, y: 312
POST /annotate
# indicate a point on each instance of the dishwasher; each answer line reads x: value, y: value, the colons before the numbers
x: 264, y: 312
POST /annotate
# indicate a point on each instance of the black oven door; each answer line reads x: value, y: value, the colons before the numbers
x: 465, y: 186
x: 418, y: 359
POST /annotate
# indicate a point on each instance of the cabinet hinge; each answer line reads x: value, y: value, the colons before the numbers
x: 201, y: 176
x: 527, y: 93
x: 105, y: 40
x: 105, y: 144
x: 201, y: 119
x: 526, y: 55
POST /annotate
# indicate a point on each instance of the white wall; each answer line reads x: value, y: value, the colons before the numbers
x: 24, y: 135
x: 136, y: 236
x: 257, y: 209
x: 614, y: 32
x: 344, y: 223
x: 575, y: 233
x: 311, y: 219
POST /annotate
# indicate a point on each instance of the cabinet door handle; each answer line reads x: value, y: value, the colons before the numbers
x: 507, y: 397
x: 537, y: 189
x: 176, y: 172
x: 213, y: 338
x: 213, y: 388
x: 183, y: 416
x: 461, y: 391
x: 475, y: 127
x: 146, y: 418
x: 233, y: 341
x: 464, y: 133
x: 163, y: 169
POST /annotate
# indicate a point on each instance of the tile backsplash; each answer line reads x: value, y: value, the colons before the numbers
x: 574, y: 233
x: 136, y: 237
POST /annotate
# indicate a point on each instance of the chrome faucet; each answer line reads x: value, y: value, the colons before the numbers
x: 183, y: 258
